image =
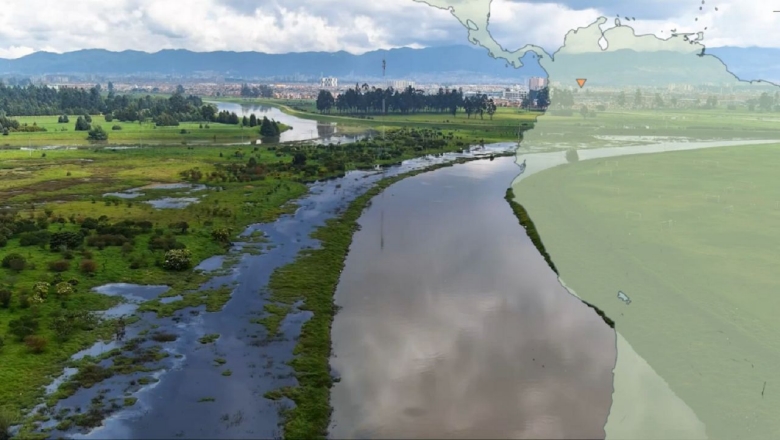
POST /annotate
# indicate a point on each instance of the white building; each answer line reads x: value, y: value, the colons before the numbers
x: 516, y: 94
x: 400, y: 84
x: 329, y: 82
x: 537, y: 83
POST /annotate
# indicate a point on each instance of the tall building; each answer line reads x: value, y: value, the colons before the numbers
x: 537, y: 83
x: 329, y: 82
x: 400, y: 84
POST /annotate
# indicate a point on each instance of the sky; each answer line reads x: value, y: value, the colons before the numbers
x: 356, y: 26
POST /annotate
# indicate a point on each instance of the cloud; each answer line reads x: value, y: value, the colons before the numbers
x: 356, y: 26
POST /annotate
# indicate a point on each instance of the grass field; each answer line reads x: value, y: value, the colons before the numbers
x: 131, y: 132
x: 691, y: 238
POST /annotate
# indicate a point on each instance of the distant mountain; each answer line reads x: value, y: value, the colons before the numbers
x: 401, y: 63
x: 750, y: 63
x: 463, y: 62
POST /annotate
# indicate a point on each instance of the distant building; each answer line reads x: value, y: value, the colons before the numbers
x: 329, y: 82
x: 517, y: 94
x: 400, y: 84
x: 537, y: 83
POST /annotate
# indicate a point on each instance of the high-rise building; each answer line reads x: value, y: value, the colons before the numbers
x: 536, y: 83
x: 329, y: 82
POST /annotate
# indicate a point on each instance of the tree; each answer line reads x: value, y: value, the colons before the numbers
x: 659, y: 102
x: 543, y: 98
x: 638, y: 98
x: 252, y: 120
x: 267, y: 128
x: 245, y: 121
x: 82, y: 124
x: 765, y: 101
x: 299, y: 159
x: 621, y: 99
x: 97, y: 134
x: 584, y: 111
x: 88, y: 118
x: 491, y: 108
x: 180, y: 89
x: 325, y: 101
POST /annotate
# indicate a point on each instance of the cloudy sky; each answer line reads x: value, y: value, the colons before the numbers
x: 355, y: 26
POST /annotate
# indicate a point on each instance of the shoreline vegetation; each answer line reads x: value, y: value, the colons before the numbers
x: 530, y: 229
x: 313, y: 278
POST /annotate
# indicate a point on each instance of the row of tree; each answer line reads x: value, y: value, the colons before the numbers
x: 373, y: 100
x: 262, y: 91
x: 42, y: 100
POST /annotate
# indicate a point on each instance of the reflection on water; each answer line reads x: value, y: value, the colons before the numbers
x: 303, y: 129
x: 453, y: 326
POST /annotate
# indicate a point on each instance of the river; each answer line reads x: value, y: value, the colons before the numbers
x: 302, y: 129
x: 452, y: 324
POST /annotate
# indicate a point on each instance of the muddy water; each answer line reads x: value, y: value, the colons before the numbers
x: 453, y: 326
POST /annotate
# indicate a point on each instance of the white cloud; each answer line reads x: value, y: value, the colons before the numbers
x: 353, y: 25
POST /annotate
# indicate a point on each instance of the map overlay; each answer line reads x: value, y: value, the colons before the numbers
x: 660, y: 215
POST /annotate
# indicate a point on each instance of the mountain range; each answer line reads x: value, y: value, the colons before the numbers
x: 400, y: 63
x: 418, y: 64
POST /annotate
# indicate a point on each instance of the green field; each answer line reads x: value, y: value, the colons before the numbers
x: 691, y: 238
x: 132, y: 133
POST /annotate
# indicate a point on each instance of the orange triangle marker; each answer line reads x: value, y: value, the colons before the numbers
x: 581, y: 81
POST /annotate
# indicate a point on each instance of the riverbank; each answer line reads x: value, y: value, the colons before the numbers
x: 312, y: 279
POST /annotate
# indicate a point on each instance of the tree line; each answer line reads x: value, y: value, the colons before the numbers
x: 262, y: 91
x: 35, y: 100
x: 374, y: 100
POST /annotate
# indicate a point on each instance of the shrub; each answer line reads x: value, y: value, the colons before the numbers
x: 61, y: 325
x: 5, y: 298
x: 221, y: 235
x: 89, y: 223
x: 59, y: 265
x: 67, y: 240
x: 23, y: 327
x: 177, y: 259
x: 116, y: 127
x: 88, y: 266
x: 35, y: 344
x: 34, y: 238
x: 15, y: 262
x: 64, y: 289
x: 165, y: 243
x: 24, y: 301
x: 97, y: 134
x: 40, y: 291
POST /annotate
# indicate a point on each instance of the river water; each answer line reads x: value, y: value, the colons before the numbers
x: 302, y: 129
x: 452, y: 325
